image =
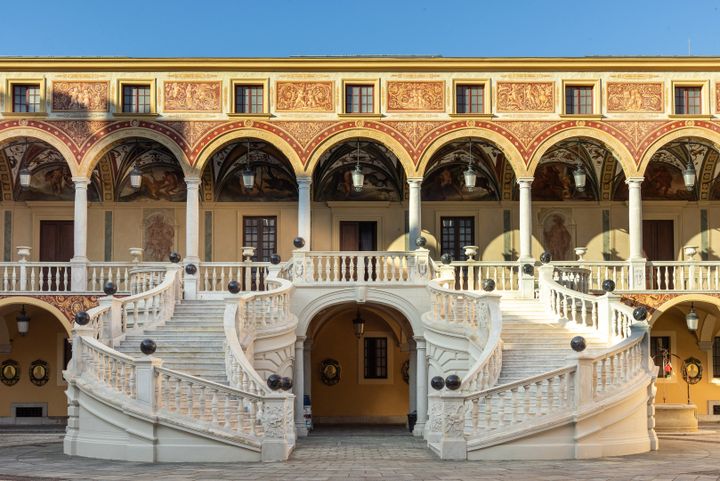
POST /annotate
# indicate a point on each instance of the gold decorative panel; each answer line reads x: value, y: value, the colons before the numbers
x: 634, y: 97
x: 416, y: 97
x: 80, y: 96
x: 193, y: 96
x: 525, y: 97
x: 304, y: 97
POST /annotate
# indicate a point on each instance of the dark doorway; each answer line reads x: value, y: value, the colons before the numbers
x: 56, y: 245
x: 659, y: 245
x: 358, y: 236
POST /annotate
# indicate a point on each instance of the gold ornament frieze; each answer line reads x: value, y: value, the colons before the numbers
x: 416, y: 96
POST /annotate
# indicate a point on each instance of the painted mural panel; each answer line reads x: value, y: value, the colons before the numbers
x: 159, y: 182
x: 634, y: 97
x: 80, y: 96
x: 447, y: 183
x: 525, y: 97
x: 664, y: 182
x: 192, y: 96
x: 557, y: 236
x: 555, y: 181
x: 272, y: 184
x: 304, y: 97
x: 416, y: 96
x: 158, y: 234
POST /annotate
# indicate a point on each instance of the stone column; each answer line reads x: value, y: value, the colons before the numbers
x: 422, y: 386
x: 525, y: 218
x: 635, y: 231
x: 192, y: 234
x: 299, y: 386
x: 414, y: 211
x: 78, y: 279
x: 304, y: 210
x: 412, y: 372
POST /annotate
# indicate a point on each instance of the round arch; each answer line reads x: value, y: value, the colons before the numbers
x: 33, y: 301
x: 621, y: 153
x: 250, y: 132
x: 328, y: 315
x: 512, y: 154
x: 349, y: 295
x: 700, y: 132
x: 659, y: 311
x: 102, y: 146
x: 39, y: 134
x: 370, y: 134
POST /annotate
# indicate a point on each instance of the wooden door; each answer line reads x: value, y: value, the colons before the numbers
x: 56, y: 245
x: 659, y: 245
x: 358, y: 236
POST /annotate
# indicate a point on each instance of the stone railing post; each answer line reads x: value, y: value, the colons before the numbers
x: 146, y: 379
x: 278, y: 425
x: 447, y: 276
x: 545, y: 276
x: 448, y: 414
x: 605, y: 315
x: 274, y: 271
x: 113, y: 329
x: 583, y: 379
x: 526, y: 281
x: 23, y: 252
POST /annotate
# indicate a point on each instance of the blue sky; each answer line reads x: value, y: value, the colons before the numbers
x: 279, y: 28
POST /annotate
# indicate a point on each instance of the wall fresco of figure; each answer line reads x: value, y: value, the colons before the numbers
x: 158, y: 183
x: 158, y: 234
x: 272, y: 184
x: 557, y: 238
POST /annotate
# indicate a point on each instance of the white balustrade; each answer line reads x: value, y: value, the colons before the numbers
x: 469, y: 275
x: 618, y: 367
x: 616, y: 271
x: 214, y: 276
x: 155, y: 306
x: 111, y: 369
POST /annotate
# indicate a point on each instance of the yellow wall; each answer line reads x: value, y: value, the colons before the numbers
x: 353, y: 398
x: 44, y: 341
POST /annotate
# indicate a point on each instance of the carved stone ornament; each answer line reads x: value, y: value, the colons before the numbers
x: 273, y: 421
x: 453, y: 417
x: 330, y: 371
x: 39, y: 372
x: 435, y: 418
x: 9, y: 372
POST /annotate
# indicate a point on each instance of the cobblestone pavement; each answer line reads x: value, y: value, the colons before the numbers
x: 340, y: 454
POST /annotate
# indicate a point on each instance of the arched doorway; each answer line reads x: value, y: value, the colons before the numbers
x: 32, y: 388
x: 360, y: 376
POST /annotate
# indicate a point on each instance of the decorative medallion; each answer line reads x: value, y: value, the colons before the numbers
x: 525, y: 97
x: 39, y: 372
x: 416, y: 96
x: 9, y: 372
x: 80, y: 96
x: 193, y: 96
x: 692, y: 370
x: 304, y: 97
x: 330, y: 371
x: 634, y: 97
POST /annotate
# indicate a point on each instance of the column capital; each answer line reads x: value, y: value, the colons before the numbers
x: 525, y: 181
x: 414, y: 181
x: 304, y: 181
x: 419, y: 342
x: 634, y: 181
x: 192, y: 182
x: 81, y: 181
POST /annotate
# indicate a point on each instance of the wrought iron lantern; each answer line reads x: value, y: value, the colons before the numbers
x: 689, y: 176
x: 248, y: 174
x: 23, y: 321
x: 580, y: 177
x: 25, y: 177
x: 470, y: 175
x: 135, y: 177
x: 358, y: 178
x: 692, y: 319
x: 358, y: 325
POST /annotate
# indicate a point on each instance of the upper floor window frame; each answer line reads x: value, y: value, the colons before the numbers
x: 704, y: 87
x: 486, y: 97
x: 120, y: 97
x: 375, y: 101
x: 260, y: 82
x: 10, y: 88
x: 596, y: 97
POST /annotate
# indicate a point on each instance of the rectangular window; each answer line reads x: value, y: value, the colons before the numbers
x: 716, y: 357
x: 470, y: 99
x: 376, y: 357
x: 261, y: 233
x: 688, y: 100
x: 456, y: 232
x: 136, y: 99
x: 658, y: 345
x: 359, y: 99
x: 579, y: 100
x: 249, y: 99
x: 26, y: 98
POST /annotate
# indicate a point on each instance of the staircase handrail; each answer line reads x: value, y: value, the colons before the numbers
x: 470, y: 274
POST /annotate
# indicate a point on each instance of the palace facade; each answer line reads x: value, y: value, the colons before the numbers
x: 359, y: 240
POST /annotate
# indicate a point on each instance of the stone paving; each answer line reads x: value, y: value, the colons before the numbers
x: 368, y: 454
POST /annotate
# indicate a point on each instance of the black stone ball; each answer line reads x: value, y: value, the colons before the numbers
x: 191, y: 269
x: 437, y: 383
x: 421, y: 241
x: 82, y: 318
x: 299, y: 242
x: 578, y: 344
x: 109, y: 288
x: 528, y: 269
x: 274, y: 382
x: 148, y: 346
x: 234, y: 287
x: 174, y: 257
x: 446, y: 258
x: 488, y: 285
x: 453, y: 382
x: 286, y: 383
x: 608, y: 285
x: 275, y: 259
x: 545, y: 257
x: 640, y: 313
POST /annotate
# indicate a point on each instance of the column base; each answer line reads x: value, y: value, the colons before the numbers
x: 301, y: 430
x: 419, y: 430
x: 78, y: 274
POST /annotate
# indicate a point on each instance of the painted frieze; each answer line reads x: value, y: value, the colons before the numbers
x: 416, y: 97
x: 634, y: 97
x: 525, y: 97
x: 192, y: 96
x: 304, y: 97
x: 80, y: 96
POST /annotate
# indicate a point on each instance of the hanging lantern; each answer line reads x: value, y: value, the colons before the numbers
x: 135, y: 177
x: 358, y: 325
x: 692, y: 319
x: 248, y: 175
x: 580, y: 177
x: 689, y: 176
x: 470, y: 175
x: 23, y: 322
x: 25, y: 178
x: 358, y: 178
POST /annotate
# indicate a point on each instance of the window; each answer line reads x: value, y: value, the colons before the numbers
x: 456, y: 232
x: 26, y: 98
x: 136, y: 99
x: 579, y: 100
x: 688, y: 100
x: 376, y: 358
x: 470, y: 99
x: 260, y: 233
x: 359, y: 99
x: 716, y: 357
x: 659, y: 344
x: 249, y: 99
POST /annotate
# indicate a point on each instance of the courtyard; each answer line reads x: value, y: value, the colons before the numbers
x: 365, y: 453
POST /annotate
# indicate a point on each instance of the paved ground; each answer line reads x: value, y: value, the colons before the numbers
x: 340, y: 454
